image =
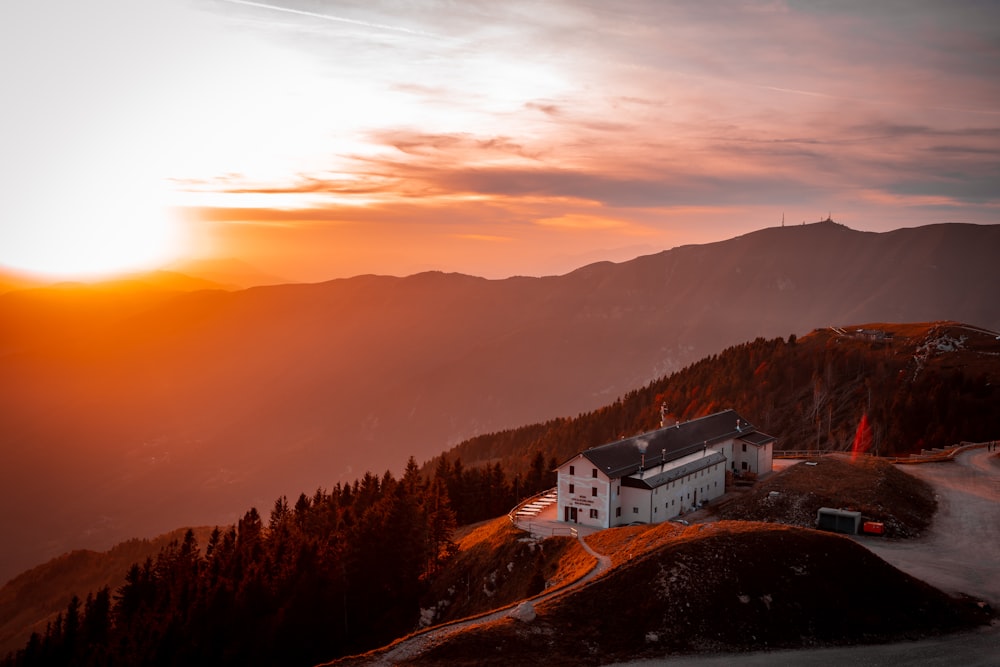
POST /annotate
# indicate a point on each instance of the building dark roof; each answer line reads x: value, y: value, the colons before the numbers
x: 624, y: 457
x: 651, y: 479
x: 757, y: 438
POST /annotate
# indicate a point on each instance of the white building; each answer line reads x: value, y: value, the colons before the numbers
x: 661, y: 474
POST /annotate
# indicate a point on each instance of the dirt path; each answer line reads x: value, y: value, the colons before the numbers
x: 959, y: 554
x: 411, y: 647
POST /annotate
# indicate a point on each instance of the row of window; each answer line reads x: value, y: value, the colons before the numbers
x: 593, y: 490
x: 593, y: 471
x: 635, y: 510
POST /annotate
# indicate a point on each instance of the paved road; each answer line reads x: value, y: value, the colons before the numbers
x: 960, y: 553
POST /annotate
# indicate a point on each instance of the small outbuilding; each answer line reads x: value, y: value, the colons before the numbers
x: 838, y: 521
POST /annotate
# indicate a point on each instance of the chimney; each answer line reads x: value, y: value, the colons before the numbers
x: 642, y: 461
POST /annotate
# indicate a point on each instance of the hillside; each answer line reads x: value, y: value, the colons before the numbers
x: 729, y: 586
x: 723, y: 586
x: 496, y: 565
x: 169, y: 408
x: 928, y: 385
x: 904, y: 504
x: 33, y: 598
x: 312, y: 582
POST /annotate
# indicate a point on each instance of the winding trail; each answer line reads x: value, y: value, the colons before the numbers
x: 960, y: 553
x: 414, y: 645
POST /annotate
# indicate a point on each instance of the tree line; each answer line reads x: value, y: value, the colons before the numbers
x: 333, y: 574
x: 345, y: 570
x: 810, y: 392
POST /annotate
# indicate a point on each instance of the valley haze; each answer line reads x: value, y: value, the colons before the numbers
x: 133, y: 410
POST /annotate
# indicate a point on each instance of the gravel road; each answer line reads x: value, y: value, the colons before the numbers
x: 960, y: 553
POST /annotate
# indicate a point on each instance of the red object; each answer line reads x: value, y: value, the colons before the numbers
x: 873, y: 528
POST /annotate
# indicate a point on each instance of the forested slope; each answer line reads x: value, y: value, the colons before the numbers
x: 918, y: 386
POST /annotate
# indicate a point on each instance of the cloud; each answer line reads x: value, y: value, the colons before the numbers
x: 974, y: 188
x: 488, y: 238
x: 331, y: 17
x: 586, y: 120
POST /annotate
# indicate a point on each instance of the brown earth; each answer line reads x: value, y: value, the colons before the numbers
x: 879, y: 490
x: 723, y: 586
x: 497, y: 565
x: 726, y: 586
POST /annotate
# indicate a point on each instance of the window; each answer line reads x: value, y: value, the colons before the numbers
x: 593, y: 473
x: 745, y: 466
x: 744, y: 446
x: 635, y: 510
x: 572, y: 470
x: 593, y: 514
x: 571, y: 488
x: 655, y: 510
x: 593, y: 491
x: 618, y: 511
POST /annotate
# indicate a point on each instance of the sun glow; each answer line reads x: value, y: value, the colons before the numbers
x: 93, y: 232
x: 100, y: 149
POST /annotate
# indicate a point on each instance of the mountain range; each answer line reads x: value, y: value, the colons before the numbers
x: 133, y: 408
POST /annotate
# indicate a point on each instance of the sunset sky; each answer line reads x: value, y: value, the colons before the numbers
x: 321, y: 139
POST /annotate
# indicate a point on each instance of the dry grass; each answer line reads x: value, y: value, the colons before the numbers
x: 628, y: 542
x: 728, y: 586
x: 497, y: 565
x: 879, y: 490
x: 738, y: 585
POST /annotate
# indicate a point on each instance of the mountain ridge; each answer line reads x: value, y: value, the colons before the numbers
x: 195, y: 404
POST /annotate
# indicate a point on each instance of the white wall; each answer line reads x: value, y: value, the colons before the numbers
x: 766, y: 459
x: 582, y: 497
x: 758, y: 459
x: 635, y: 506
x: 660, y: 504
x: 674, y: 498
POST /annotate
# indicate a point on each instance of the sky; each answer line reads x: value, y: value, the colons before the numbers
x: 318, y: 139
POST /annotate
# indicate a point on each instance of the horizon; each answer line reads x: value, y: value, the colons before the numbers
x: 202, y: 268
x: 331, y: 140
